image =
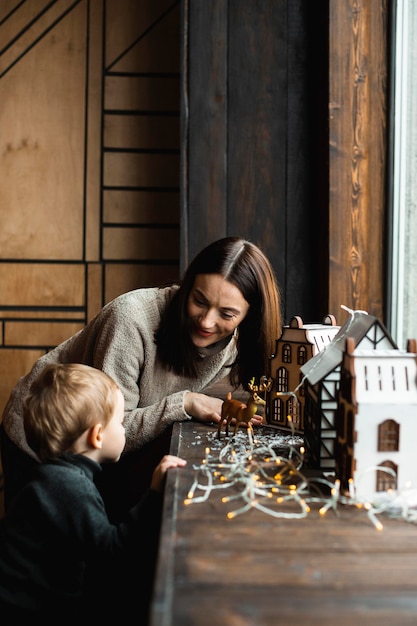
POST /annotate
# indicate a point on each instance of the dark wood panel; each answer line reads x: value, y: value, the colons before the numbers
x: 285, y: 142
x: 248, y: 137
x: 257, y: 124
x: 305, y: 229
x: 291, y: 606
x: 204, y: 139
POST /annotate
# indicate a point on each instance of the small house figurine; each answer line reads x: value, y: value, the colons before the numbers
x: 322, y: 381
x: 376, y: 422
x: 298, y: 343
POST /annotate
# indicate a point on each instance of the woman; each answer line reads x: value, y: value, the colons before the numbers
x: 163, y: 347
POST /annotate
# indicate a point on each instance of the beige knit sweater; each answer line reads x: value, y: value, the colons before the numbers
x: 120, y: 341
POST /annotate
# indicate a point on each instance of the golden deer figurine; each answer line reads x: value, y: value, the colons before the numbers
x: 239, y: 411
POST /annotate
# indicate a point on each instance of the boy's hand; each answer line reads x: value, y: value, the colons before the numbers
x: 159, y: 475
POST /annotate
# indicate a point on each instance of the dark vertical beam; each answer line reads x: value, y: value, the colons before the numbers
x: 245, y: 136
x: 204, y: 125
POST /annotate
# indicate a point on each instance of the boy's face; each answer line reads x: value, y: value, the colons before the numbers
x: 114, y: 436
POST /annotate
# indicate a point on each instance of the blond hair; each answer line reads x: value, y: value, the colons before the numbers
x: 63, y: 402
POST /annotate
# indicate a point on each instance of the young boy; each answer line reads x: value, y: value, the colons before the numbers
x: 59, y: 551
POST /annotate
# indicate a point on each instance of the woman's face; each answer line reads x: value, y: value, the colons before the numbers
x: 215, y: 308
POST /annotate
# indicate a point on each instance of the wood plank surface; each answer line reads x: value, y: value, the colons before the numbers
x: 257, y: 570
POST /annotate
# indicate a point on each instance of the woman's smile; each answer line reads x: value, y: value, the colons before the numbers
x: 202, y: 332
x: 215, y: 309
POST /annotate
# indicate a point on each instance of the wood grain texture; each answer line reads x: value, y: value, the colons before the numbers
x: 14, y: 363
x: 94, y: 132
x: 145, y: 244
x: 247, y: 137
x: 122, y: 277
x: 34, y: 334
x: 358, y: 140
x: 141, y: 206
x: 256, y: 134
x: 204, y: 120
x: 62, y: 64
x: 42, y: 285
x: 42, y: 138
x: 256, y: 570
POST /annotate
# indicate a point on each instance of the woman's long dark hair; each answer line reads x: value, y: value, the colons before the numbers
x: 244, y: 265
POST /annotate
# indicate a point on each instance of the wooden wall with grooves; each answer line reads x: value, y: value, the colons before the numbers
x: 268, y: 119
x: 89, y: 164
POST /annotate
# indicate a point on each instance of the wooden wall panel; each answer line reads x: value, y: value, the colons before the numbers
x: 141, y: 163
x: 13, y: 364
x: 42, y: 333
x: 22, y: 26
x: 94, y: 134
x: 358, y: 151
x: 267, y: 156
x: 246, y: 146
x: 258, y: 124
x: 41, y: 313
x: 42, y: 285
x: 42, y: 155
x: 140, y: 244
x: 153, y: 28
x: 204, y: 126
x: 69, y: 235
x: 146, y: 93
x: 126, y: 169
x: 140, y: 206
x: 122, y: 277
x: 143, y: 131
x: 94, y: 289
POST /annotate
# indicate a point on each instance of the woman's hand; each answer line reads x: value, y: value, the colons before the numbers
x: 203, y: 408
x: 208, y: 409
x: 256, y: 420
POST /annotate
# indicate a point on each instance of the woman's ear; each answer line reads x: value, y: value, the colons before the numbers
x: 95, y: 436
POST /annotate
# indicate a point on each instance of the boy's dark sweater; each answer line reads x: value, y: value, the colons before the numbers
x: 58, y: 546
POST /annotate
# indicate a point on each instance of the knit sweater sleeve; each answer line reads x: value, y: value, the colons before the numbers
x: 126, y: 350
x: 120, y: 341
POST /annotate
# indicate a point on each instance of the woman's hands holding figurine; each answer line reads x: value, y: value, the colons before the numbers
x: 203, y: 408
x: 208, y: 409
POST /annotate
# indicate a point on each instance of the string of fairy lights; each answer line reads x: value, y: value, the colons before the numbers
x: 260, y: 478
